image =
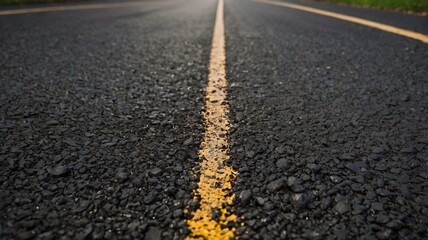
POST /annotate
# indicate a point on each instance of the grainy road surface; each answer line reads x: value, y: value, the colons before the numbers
x: 106, y: 127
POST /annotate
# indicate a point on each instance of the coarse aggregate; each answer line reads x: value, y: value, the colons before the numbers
x: 329, y: 127
x: 100, y: 120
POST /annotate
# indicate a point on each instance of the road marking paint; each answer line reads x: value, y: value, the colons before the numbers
x: 384, y: 27
x: 215, y: 184
x: 69, y: 8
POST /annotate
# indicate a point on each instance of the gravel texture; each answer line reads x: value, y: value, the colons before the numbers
x: 329, y: 127
x: 100, y: 123
x: 99, y: 126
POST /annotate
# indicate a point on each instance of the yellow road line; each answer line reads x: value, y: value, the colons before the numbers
x: 384, y: 27
x: 215, y: 183
x: 71, y: 7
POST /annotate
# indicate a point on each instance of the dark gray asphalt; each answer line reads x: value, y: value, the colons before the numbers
x: 330, y: 126
x: 112, y: 95
x: 100, y: 122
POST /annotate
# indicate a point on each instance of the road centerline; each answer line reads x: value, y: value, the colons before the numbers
x: 380, y: 26
x: 215, y: 183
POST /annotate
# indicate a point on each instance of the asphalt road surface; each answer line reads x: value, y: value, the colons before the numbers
x: 105, y: 120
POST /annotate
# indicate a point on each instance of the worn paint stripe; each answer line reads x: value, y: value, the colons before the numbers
x: 384, y: 27
x: 212, y: 218
x: 71, y: 7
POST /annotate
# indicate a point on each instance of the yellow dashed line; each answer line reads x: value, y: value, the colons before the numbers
x: 69, y: 8
x: 384, y: 27
x: 215, y: 184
